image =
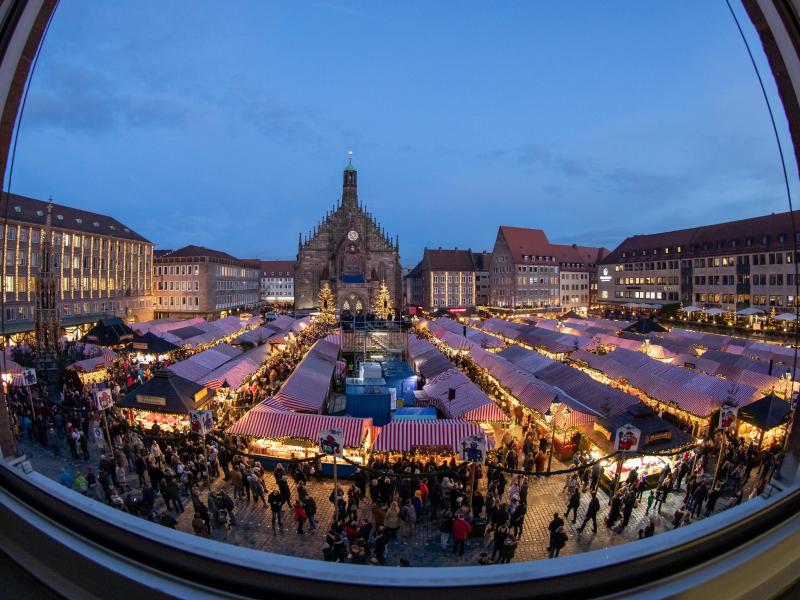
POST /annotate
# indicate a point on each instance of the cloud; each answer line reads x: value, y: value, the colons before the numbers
x: 75, y: 98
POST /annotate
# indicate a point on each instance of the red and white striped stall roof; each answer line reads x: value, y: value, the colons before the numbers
x: 404, y: 436
x: 279, y: 425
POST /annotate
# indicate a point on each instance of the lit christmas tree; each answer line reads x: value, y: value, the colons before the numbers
x: 383, y: 303
x: 327, y: 303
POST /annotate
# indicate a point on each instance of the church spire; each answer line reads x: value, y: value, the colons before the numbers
x: 349, y: 184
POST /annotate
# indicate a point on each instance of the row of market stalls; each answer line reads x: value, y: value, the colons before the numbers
x: 461, y: 336
x: 196, y: 332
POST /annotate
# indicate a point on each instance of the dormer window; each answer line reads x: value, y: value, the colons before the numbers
x: 126, y: 230
x: 79, y: 221
x: 111, y: 227
x: 60, y: 217
x: 18, y: 209
x: 39, y: 213
x: 96, y: 224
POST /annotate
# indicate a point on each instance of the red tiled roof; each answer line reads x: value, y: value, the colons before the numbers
x: 525, y: 242
x: 711, y: 239
x: 448, y: 260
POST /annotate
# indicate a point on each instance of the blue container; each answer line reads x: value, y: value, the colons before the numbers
x: 419, y: 413
x: 369, y: 401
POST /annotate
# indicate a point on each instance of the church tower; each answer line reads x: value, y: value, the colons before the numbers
x: 48, y: 322
x: 350, y: 251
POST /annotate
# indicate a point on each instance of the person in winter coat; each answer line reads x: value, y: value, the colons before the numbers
x: 552, y: 527
x: 310, y: 506
x: 236, y: 478
x: 392, y: 520
x: 276, y: 503
x: 500, y: 535
x: 509, y: 547
x: 614, y: 510
x: 591, y: 513
x: 283, y: 486
x: 558, y: 539
x: 574, y: 503
x: 445, y: 529
x: 299, y: 516
x: 379, y: 542
x: 461, y: 530
x: 199, y: 526
x: 518, y: 519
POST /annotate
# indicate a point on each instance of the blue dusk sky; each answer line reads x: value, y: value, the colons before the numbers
x: 227, y: 124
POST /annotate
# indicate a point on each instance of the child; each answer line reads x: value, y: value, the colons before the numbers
x: 650, y: 499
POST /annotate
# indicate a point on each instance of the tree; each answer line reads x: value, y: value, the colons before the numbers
x: 383, y: 308
x: 327, y: 303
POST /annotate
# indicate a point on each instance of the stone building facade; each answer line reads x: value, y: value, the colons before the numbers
x: 350, y: 251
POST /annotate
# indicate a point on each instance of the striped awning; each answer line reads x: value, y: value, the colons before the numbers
x: 488, y: 413
x: 403, y: 436
x: 268, y: 423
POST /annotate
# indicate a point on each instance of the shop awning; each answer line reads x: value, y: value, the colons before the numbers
x: 109, y: 332
x: 168, y: 393
x: 87, y: 365
x: 269, y: 424
x: 306, y: 389
x: 150, y: 343
x: 645, y: 326
x: 404, y: 436
x: 766, y: 413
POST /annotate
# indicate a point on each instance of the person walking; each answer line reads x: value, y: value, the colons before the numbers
x: 558, y: 539
x: 499, y: 538
x: 591, y: 513
x: 508, y: 550
x: 552, y: 527
x: 574, y: 503
x: 311, y: 510
x: 445, y: 529
x: 392, y: 520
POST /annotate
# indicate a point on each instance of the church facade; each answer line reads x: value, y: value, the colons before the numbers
x: 350, y: 251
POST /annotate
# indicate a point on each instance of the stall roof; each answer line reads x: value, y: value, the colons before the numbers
x: 644, y: 418
x: 307, y: 388
x: 404, y: 436
x: 767, y: 412
x: 151, y: 344
x: 109, y: 332
x: 270, y: 424
x: 166, y: 392
x: 646, y: 326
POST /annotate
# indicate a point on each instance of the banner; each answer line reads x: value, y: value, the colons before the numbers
x: 473, y: 449
x: 29, y: 376
x: 728, y: 416
x: 103, y: 399
x: 331, y: 442
x: 627, y: 439
x: 201, y: 421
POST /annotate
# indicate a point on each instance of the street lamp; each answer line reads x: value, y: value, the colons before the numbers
x: 549, y: 416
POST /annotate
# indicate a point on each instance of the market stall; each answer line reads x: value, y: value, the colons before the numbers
x: 275, y: 435
x: 93, y: 370
x: 441, y: 437
x: 658, y: 438
x: 164, y: 402
x: 764, y: 421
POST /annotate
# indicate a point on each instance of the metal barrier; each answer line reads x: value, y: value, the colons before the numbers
x: 83, y: 548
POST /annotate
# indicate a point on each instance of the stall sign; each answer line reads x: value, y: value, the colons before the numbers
x: 473, y: 449
x: 627, y: 438
x: 140, y: 345
x: 156, y: 400
x: 331, y: 442
x: 200, y: 395
x: 201, y: 421
x: 103, y: 399
x: 658, y: 435
x: 29, y: 377
x: 602, y: 430
x: 433, y: 449
x: 727, y: 418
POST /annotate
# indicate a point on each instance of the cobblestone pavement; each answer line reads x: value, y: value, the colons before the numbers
x: 253, y: 528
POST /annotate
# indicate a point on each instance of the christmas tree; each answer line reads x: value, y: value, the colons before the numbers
x: 383, y: 303
x: 327, y: 303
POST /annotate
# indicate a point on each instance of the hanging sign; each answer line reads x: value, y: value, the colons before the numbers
x: 29, y: 376
x: 103, y: 399
x: 627, y: 438
x: 331, y: 442
x: 728, y: 416
x: 201, y: 421
x: 473, y: 449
